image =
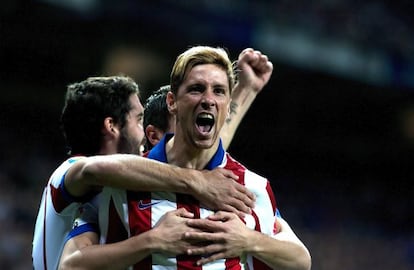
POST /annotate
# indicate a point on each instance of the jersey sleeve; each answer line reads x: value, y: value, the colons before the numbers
x: 86, y: 220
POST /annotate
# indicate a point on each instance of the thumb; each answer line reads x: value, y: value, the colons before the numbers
x: 182, y: 212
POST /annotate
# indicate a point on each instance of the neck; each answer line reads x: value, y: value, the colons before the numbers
x: 184, y: 155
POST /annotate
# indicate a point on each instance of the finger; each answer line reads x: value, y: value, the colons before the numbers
x: 213, y: 257
x: 182, y: 212
x: 204, y: 239
x: 248, y: 57
x: 229, y: 174
x: 206, y: 225
x: 239, y: 202
x: 221, y: 216
x: 205, y: 250
x: 238, y: 206
x: 262, y: 64
x: 240, y: 214
x: 245, y: 195
x: 245, y: 51
x: 265, y: 66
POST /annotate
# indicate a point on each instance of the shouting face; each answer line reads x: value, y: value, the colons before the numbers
x: 201, y: 105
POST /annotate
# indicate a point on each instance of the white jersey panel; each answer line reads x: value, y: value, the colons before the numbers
x: 54, y: 221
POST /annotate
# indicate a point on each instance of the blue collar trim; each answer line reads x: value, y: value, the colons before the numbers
x: 158, y: 153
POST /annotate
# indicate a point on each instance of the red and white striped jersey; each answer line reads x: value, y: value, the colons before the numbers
x: 54, y: 221
x: 124, y: 213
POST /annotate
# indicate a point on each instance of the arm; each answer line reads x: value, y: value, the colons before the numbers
x: 254, y: 73
x: 85, y: 252
x: 231, y: 238
x: 133, y: 172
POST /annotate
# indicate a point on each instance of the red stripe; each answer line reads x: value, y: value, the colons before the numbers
x: 116, y: 229
x: 44, y: 232
x: 239, y: 170
x: 257, y: 264
x: 271, y: 196
x: 193, y: 206
x: 233, y: 263
x: 58, y: 200
x: 140, y: 221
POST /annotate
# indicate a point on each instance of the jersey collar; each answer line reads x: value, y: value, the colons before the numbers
x: 158, y: 153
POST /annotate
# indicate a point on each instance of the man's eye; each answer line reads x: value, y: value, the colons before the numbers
x: 219, y: 91
x: 195, y: 88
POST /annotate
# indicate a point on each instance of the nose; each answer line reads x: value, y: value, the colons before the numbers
x: 207, y: 100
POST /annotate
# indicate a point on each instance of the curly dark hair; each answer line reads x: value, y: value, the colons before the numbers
x: 88, y: 103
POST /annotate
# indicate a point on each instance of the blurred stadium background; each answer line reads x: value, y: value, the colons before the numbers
x: 333, y: 130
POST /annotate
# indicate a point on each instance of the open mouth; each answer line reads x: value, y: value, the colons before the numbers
x: 205, y: 122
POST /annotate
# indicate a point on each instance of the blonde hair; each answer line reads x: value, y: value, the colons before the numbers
x: 199, y: 55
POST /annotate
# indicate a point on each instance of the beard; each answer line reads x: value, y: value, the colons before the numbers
x: 128, y: 144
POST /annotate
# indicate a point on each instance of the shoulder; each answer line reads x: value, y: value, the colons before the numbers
x: 232, y: 164
x: 62, y: 169
x: 249, y: 177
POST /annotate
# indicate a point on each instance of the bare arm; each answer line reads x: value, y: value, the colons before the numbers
x: 85, y: 252
x: 231, y: 238
x: 133, y: 172
x: 254, y: 73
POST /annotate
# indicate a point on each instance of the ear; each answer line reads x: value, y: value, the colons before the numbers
x: 171, y: 103
x: 109, y: 128
x: 154, y: 134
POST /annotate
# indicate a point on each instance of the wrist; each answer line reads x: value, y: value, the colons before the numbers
x: 190, y: 181
x: 242, y: 94
x: 193, y: 183
x: 145, y: 243
x: 254, y: 241
x: 153, y: 241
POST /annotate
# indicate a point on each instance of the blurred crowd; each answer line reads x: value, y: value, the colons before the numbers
x: 371, y: 24
x: 32, y: 145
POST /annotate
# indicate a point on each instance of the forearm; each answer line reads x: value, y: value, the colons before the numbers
x: 280, y: 252
x: 243, y: 96
x: 109, y: 256
x: 136, y: 173
x: 241, y: 101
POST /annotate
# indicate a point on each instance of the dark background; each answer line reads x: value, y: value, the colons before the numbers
x: 333, y: 130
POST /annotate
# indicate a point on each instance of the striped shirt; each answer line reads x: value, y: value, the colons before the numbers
x: 124, y: 213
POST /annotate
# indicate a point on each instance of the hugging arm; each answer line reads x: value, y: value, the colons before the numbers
x: 132, y: 172
x: 84, y: 251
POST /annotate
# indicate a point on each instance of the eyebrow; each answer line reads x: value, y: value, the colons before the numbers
x: 141, y: 114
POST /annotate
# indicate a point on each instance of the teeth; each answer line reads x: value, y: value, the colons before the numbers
x: 205, y: 115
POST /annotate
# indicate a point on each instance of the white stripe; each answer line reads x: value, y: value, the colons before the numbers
x: 263, y: 207
x: 161, y: 207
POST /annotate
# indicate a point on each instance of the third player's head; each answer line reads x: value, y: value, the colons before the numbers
x: 157, y: 119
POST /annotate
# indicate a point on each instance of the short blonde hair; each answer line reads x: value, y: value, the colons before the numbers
x: 199, y: 55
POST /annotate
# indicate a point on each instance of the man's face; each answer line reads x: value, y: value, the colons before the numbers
x: 202, y: 105
x: 132, y: 137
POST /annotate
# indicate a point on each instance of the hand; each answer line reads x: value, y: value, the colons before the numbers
x: 227, y: 237
x: 218, y: 190
x: 255, y: 70
x: 169, y: 232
